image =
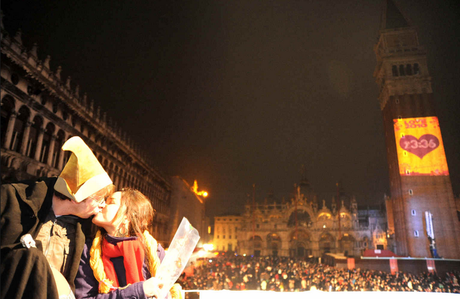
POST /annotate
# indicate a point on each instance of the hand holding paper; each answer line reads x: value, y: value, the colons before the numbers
x: 177, y: 256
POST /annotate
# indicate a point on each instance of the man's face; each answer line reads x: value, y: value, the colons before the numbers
x: 107, y: 217
x: 92, y: 205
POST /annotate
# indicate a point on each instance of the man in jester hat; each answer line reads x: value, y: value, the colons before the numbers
x: 43, y: 225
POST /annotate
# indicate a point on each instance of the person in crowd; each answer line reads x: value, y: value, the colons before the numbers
x: 285, y: 274
x: 122, y: 260
x: 43, y: 224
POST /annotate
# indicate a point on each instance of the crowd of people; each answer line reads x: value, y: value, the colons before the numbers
x: 284, y: 274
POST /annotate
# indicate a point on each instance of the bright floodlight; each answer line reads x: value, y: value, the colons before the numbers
x: 208, y: 247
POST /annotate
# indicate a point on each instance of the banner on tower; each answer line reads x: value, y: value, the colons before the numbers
x: 420, y: 147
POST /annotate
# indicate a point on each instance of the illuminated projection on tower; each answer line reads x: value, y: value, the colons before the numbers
x: 420, y: 147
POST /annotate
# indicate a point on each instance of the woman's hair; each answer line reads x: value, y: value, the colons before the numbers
x: 107, y: 191
x: 138, y: 210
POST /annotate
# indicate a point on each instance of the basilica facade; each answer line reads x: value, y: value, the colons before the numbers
x: 300, y: 227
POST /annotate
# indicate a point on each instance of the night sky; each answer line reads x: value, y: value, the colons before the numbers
x: 236, y: 93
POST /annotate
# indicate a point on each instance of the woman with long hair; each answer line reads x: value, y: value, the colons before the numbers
x: 121, y: 261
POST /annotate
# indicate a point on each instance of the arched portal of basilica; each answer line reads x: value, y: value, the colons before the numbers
x: 299, y: 244
x: 273, y: 243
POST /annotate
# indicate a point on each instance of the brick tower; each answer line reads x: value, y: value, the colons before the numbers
x: 422, y: 201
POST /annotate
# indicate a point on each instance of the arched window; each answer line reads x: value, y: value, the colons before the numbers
x: 409, y: 70
x: 55, y: 107
x: 15, y: 79
x: 44, y: 99
x: 416, y: 69
x: 65, y: 113
x: 74, y: 120
x: 394, y: 70
x: 6, y: 112
x: 19, y: 126
x: 37, y: 124
x: 326, y: 243
x: 110, y: 168
x: 401, y: 70
x: 299, y: 218
x: 256, y: 242
x: 49, y: 131
x: 89, y: 133
x: 57, y: 148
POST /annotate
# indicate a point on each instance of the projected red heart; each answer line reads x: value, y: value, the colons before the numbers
x: 421, y: 146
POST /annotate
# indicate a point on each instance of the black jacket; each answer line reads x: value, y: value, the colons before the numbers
x: 24, y: 207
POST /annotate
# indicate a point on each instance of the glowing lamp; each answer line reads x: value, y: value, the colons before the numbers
x: 208, y: 247
x: 199, y: 193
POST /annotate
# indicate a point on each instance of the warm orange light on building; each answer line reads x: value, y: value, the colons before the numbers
x: 199, y: 193
x: 420, y: 147
x: 326, y: 215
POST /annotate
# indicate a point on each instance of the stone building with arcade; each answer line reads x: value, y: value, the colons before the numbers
x: 40, y: 111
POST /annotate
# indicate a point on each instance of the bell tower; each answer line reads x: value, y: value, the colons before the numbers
x: 422, y: 201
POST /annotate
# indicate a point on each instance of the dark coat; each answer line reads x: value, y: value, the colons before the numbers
x: 24, y: 207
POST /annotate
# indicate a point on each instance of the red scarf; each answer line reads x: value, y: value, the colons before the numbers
x: 133, y: 260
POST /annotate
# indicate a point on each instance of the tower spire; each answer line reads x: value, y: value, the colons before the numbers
x: 393, y: 17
